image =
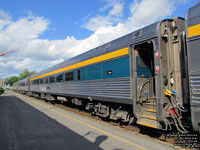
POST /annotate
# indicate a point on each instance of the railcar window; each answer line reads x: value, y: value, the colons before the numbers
x: 46, y: 80
x: 78, y: 74
x: 37, y: 81
x: 143, y: 59
x: 52, y: 79
x: 41, y: 81
x: 59, y: 78
x: 69, y: 76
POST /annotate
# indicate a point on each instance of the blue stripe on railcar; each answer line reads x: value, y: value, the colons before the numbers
x: 83, y: 73
x: 116, y: 68
x: 94, y: 72
x: 112, y: 69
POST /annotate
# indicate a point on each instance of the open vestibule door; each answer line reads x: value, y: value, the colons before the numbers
x: 144, y: 83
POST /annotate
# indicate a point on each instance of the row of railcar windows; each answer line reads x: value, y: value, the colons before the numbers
x: 23, y: 84
x: 69, y: 76
x: 116, y: 68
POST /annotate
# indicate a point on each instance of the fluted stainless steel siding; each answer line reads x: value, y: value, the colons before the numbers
x: 107, y: 88
x: 193, y: 41
x: 195, y: 88
x: 22, y: 88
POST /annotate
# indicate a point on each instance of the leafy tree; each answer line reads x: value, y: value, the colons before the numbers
x: 11, y: 80
x: 26, y: 74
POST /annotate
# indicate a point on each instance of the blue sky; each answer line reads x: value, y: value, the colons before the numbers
x: 67, y: 17
x: 46, y: 32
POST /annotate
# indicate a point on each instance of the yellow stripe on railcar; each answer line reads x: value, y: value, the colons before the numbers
x: 118, y: 53
x: 194, y: 30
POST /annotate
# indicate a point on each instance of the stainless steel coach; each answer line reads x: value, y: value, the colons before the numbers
x: 193, y: 46
x: 131, y: 72
x: 150, y: 76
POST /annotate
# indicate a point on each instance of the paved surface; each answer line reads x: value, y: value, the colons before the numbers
x: 23, y: 127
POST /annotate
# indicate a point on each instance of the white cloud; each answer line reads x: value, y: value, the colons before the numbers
x: 54, y: 62
x: 150, y: 10
x: 37, y: 54
x: 20, y: 65
x: 97, y: 22
x: 17, y: 34
x: 26, y: 28
x: 113, y: 16
x: 4, y: 19
x: 117, y: 10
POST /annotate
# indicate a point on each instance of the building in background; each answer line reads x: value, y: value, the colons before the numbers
x: 1, y: 82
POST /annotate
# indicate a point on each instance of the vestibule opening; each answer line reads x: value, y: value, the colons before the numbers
x: 144, y: 64
x: 145, y: 60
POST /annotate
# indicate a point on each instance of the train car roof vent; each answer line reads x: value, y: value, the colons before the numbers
x: 137, y: 33
x: 107, y: 45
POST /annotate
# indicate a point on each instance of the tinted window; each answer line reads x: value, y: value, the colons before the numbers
x: 69, y: 76
x: 143, y: 59
x: 52, y: 79
x: 59, y: 78
x: 78, y: 74
x: 46, y: 80
x: 41, y: 81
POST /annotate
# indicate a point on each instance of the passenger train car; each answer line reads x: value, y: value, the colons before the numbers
x: 150, y: 76
x: 193, y: 47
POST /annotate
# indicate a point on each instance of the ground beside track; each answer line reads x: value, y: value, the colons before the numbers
x: 30, y: 124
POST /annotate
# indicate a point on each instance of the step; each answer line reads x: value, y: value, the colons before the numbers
x: 151, y: 102
x: 149, y: 106
x: 150, y: 110
x: 147, y: 122
x: 148, y: 117
x: 149, y: 114
x: 153, y: 98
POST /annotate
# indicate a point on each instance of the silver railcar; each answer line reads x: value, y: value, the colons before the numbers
x: 193, y: 47
x: 149, y: 76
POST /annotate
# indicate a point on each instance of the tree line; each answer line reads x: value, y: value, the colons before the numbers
x: 13, y: 79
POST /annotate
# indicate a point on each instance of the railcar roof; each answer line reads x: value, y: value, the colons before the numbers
x: 193, y: 15
x: 23, y: 80
x: 133, y: 37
